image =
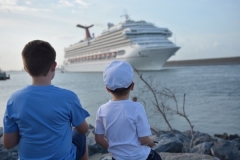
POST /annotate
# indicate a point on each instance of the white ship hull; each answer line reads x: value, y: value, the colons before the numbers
x: 145, y: 46
x: 148, y: 59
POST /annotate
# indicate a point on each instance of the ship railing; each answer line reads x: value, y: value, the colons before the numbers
x: 102, y: 56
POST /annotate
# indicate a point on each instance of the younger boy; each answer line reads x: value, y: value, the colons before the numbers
x: 39, y: 117
x: 121, y: 124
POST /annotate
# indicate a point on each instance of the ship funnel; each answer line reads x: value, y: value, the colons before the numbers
x: 88, y: 36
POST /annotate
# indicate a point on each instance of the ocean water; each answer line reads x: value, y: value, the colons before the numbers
x: 212, y: 95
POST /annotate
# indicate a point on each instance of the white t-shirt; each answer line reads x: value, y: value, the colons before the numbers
x: 123, y: 122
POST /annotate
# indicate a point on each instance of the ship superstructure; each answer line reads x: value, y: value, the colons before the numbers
x: 142, y: 44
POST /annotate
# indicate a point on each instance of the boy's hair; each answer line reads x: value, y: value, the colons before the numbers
x: 121, y: 91
x: 38, y: 57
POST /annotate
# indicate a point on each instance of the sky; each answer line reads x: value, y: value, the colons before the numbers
x: 202, y: 28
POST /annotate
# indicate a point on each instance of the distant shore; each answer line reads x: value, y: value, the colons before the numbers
x: 204, y: 62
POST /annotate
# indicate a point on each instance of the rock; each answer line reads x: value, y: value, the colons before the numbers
x: 100, y: 156
x: 237, y: 141
x: 198, y: 137
x: 223, y: 136
x: 8, y: 154
x: 226, y: 137
x: 226, y: 150
x: 188, y: 133
x: 202, y: 148
x: 94, y: 148
x: 234, y: 136
x: 1, y: 131
x: 202, y: 137
x: 199, y: 134
x: 164, y: 156
x: 186, y: 156
x: 174, y: 142
x: 91, y: 126
x: 183, y: 138
x: 5, y: 155
x: 168, y: 143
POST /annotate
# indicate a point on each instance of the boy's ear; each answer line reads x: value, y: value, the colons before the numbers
x: 108, y: 89
x: 54, y: 66
x: 25, y: 69
x: 132, y: 87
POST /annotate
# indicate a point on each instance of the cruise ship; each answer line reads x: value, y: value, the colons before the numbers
x: 142, y: 44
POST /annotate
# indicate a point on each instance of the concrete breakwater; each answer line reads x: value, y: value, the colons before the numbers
x: 171, y: 146
x: 204, y: 62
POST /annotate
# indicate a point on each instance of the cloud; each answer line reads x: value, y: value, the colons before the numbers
x: 216, y: 44
x: 69, y: 3
x: 8, y: 2
x: 24, y: 8
x: 12, y: 5
x: 82, y: 3
x: 65, y: 3
x: 28, y: 3
x: 64, y: 37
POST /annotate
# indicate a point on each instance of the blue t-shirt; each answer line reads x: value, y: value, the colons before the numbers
x: 44, y: 116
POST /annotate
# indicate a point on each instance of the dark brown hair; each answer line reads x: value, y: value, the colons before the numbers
x: 38, y: 57
x: 121, y: 91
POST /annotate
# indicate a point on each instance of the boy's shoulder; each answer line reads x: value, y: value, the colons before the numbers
x: 43, y: 89
x: 126, y: 103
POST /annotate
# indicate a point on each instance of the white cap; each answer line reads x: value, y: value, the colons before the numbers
x: 118, y: 74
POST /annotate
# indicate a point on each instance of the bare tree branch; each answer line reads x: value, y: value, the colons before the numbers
x: 160, y: 96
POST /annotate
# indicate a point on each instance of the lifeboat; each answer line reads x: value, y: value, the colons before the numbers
x: 108, y: 55
x: 103, y: 56
x: 114, y: 54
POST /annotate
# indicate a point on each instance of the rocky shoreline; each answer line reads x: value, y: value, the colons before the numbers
x: 171, y: 146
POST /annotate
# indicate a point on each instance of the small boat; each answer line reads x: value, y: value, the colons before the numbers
x: 3, y: 75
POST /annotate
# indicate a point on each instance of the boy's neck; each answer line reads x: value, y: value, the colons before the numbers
x: 120, y: 98
x: 43, y: 80
x: 40, y: 81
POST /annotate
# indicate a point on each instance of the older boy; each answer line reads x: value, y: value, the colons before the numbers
x: 121, y: 124
x: 39, y: 117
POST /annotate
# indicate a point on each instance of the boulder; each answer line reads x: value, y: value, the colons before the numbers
x: 222, y: 136
x: 202, y: 148
x: 168, y: 143
x: 202, y: 137
x: 186, y: 156
x: 100, y: 156
x: 183, y: 138
x: 226, y: 150
x: 234, y: 136
x: 93, y: 147
x: 237, y: 140
x: 1, y: 131
x: 164, y: 156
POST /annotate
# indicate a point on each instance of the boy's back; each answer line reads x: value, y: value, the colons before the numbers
x: 43, y: 115
x: 40, y: 117
x: 124, y: 122
x: 121, y: 125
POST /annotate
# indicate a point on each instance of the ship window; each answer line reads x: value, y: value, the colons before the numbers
x: 122, y: 52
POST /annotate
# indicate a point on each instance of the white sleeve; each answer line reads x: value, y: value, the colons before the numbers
x: 99, y: 127
x: 143, y: 127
